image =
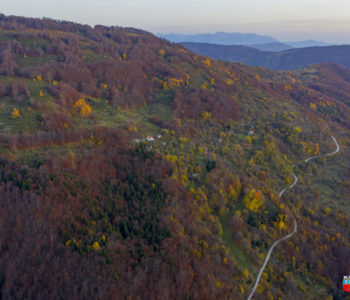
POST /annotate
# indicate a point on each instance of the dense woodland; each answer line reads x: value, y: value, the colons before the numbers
x: 92, y: 209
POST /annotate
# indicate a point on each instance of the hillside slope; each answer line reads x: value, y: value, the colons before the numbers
x: 283, y: 60
x: 132, y: 167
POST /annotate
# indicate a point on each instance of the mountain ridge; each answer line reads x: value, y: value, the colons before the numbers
x: 237, y: 38
x: 288, y: 59
x: 272, y: 47
x: 221, y: 38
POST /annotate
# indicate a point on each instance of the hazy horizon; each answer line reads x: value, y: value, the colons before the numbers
x: 284, y: 20
x: 286, y: 31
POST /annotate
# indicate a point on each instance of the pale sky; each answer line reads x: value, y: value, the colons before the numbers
x: 325, y: 20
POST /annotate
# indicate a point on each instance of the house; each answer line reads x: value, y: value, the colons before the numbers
x: 150, y: 138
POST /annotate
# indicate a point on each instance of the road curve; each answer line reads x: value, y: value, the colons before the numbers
x: 295, y: 181
x: 336, y: 150
x: 295, y: 221
x: 311, y: 158
x: 268, y: 257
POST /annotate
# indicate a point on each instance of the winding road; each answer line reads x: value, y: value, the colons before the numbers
x: 295, y: 221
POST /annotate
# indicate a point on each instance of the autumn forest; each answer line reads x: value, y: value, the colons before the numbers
x: 133, y: 168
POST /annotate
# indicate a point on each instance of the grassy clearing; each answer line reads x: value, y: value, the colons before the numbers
x: 5, y: 36
x: 34, y: 43
x: 29, y: 119
x: 307, y: 283
x: 35, y: 61
x: 197, y: 77
x: 161, y: 107
x: 90, y: 56
x: 104, y: 114
x: 238, y: 254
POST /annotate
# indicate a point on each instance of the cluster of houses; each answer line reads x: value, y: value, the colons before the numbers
x: 149, y: 138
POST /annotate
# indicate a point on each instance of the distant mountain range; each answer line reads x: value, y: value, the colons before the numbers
x: 308, y: 43
x: 283, y: 60
x: 221, y: 38
x: 260, y: 42
x: 272, y: 47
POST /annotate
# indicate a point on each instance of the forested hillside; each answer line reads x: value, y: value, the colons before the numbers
x: 133, y: 168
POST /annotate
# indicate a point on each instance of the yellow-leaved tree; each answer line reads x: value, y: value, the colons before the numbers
x: 15, y: 113
x: 253, y: 200
x: 207, y: 62
x: 96, y: 246
x: 83, y: 108
x: 313, y: 106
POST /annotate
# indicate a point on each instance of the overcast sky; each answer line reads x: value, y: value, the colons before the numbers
x: 327, y: 20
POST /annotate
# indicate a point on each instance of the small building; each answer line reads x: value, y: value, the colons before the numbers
x: 150, y: 138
